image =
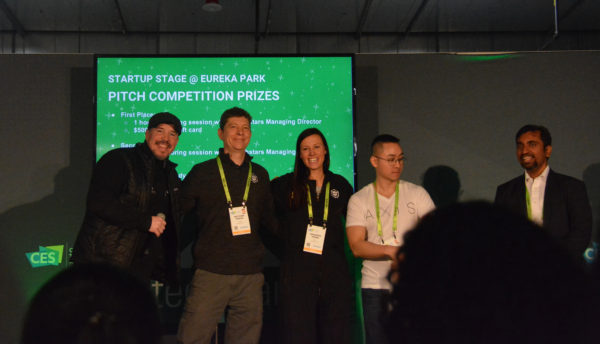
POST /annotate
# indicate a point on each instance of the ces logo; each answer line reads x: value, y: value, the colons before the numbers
x: 46, y: 256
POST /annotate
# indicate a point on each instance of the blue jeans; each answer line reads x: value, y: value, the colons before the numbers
x: 375, y: 304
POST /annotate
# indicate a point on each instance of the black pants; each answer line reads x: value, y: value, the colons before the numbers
x: 316, y: 315
x: 375, y: 310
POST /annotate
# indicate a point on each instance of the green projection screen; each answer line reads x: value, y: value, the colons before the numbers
x: 284, y: 95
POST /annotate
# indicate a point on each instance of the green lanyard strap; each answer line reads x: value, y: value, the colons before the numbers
x: 224, y: 181
x: 325, y: 211
x: 528, y: 200
x: 395, y: 223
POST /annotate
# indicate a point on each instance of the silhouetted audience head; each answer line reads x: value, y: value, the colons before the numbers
x: 442, y: 184
x: 473, y: 273
x: 92, y: 304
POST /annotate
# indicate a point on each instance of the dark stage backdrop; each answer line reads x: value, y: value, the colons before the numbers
x: 461, y: 112
x: 456, y: 110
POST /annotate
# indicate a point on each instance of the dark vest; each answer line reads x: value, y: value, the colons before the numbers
x: 99, y: 241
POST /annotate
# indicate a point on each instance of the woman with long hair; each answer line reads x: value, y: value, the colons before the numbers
x: 316, y: 288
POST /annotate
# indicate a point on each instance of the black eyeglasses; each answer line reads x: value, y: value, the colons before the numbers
x: 392, y: 161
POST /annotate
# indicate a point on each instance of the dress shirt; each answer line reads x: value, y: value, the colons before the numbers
x: 536, y: 188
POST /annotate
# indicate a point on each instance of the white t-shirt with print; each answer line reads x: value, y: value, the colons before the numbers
x: 413, y: 203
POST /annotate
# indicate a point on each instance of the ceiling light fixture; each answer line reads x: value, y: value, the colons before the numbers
x: 212, y: 6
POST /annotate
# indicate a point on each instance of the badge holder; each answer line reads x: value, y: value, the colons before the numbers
x: 315, y: 238
x: 240, y: 222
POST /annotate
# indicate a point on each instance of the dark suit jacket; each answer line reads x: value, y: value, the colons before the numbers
x: 567, y: 212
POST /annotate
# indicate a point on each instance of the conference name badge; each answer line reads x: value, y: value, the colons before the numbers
x: 240, y: 222
x: 392, y: 242
x: 315, y: 238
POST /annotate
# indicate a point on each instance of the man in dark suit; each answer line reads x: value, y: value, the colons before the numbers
x: 556, y: 202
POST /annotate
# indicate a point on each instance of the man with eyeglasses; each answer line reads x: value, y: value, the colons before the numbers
x: 378, y: 216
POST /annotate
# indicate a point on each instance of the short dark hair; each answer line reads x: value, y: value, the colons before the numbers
x: 544, y: 133
x: 383, y: 138
x: 93, y: 303
x: 234, y: 112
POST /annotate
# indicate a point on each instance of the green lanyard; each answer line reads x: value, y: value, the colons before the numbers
x: 528, y: 200
x: 395, y: 224
x: 224, y: 181
x: 325, y: 211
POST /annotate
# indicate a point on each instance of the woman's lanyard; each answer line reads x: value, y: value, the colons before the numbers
x: 395, y: 223
x: 224, y: 181
x: 325, y: 211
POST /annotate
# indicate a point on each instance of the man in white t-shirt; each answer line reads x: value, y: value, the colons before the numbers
x: 376, y: 226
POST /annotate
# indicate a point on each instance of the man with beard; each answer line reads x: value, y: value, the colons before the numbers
x: 556, y: 202
x: 132, y: 217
